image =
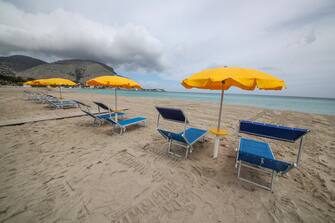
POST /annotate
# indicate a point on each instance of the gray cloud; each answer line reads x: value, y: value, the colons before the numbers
x: 302, y: 15
x: 164, y: 41
x: 66, y: 34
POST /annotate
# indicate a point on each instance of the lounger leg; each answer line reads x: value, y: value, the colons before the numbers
x: 239, y: 169
x: 272, y: 178
x: 169, y: 148
x: 269, y: 188
x: 97, y: 122
x: 236, y: 161
x: 186, y: 154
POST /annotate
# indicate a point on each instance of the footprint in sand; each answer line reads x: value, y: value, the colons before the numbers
x: 208, y: 172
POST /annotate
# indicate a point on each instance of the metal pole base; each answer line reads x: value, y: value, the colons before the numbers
x: 216, y: 147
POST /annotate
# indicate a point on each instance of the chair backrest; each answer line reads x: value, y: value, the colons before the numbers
x: 80, y: 104
x: 49, y: 96
x: 267, y: 130
x: 172, y: 114
x: 89, y: 114
x: 103, y: 106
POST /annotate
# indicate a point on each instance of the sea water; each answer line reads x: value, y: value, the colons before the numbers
x: 300, y: 104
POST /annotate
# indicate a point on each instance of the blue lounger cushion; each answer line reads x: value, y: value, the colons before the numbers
x: 127, y: 122
x: 260, y: 154
x: 191, y: 135
x: 63, y: 102
x: 108, y: 116
x: 256, y: 147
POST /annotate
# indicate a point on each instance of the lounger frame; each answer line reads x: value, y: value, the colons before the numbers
x: 98, y: 121
x: 240, y: 163
x: 57, y: 104
x: 188, y: 146
x: 257, y: 168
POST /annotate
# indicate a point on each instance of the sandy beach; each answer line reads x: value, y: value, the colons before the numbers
x: 67, y: 170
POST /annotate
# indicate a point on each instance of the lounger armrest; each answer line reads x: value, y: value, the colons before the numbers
x: 171, y: 135
x: 88, y: 113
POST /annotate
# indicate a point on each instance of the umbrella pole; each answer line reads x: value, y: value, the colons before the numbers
x: 217, y: 137
x: 115, y: 105
x: 220, y: 113
x: 60, y: 92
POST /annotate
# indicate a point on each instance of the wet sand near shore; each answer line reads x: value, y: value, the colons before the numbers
x: 70, y: 171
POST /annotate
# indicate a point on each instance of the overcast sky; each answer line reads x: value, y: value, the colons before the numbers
x: 159, y: 43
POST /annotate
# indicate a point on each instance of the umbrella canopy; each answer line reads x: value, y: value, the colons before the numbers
x: 52, y: 82
x: 225, y: 77
x: 28, y: 83
x: 56, y: 82
x: 34, y: 82
x: 113, y: 81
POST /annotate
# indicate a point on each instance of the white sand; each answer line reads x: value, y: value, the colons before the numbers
x: 69, y: 171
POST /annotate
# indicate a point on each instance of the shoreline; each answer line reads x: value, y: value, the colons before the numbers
x: 211, y: 102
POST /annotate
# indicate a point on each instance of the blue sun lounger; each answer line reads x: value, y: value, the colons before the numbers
x: 99, y: 118
x: 57, y: 104
x: 185, y: 138
x: 257, y: 155
x: 122, y: 124
x: 42, y: 98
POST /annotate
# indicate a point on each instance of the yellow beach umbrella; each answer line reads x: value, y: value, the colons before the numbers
x: 28, y: 83
x: 55, y: 82
x: 35, y: 82
x: 113, y: 81
x: 226, y: 77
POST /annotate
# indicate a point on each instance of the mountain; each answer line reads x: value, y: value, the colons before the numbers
x: 30, y: 68
x: 12, y: 64
x: 76, y: 70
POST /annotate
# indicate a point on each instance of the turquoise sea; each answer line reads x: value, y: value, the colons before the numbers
x: 301, y: 104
